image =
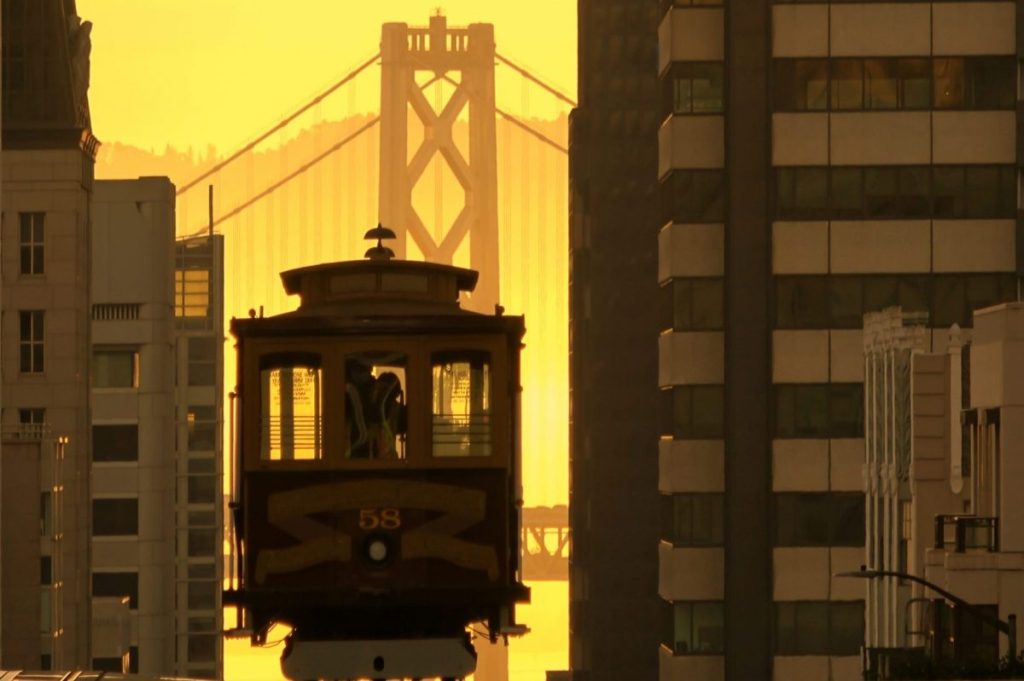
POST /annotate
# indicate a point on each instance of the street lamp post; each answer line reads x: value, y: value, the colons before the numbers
x: 1008, y: 627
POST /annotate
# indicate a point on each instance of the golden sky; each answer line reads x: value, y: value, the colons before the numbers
x: 197, y: 72
x: 200, y: 73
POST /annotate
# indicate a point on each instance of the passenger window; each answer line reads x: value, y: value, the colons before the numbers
x: 375, y: 409
x: 292, y: 411
x: 462, y: 404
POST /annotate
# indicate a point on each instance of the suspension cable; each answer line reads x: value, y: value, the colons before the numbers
x: 291, y: 176
x: 280, y: 124
x: 529, y: 76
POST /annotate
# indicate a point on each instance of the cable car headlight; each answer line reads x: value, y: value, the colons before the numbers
x: 377, y: 549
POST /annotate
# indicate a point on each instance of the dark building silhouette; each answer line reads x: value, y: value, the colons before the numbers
x: 614, y: 324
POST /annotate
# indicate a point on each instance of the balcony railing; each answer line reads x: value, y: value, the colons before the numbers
x: 967, y: 533
x: 33, y: 432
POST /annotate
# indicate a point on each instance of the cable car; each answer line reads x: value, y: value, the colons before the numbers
x: 376, y: 471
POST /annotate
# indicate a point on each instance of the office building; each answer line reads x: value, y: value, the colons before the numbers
x: 48, y: 157
x: 133, y: 417
x: 199, y: 418
x: 817, y: 161
x: 614, y: 323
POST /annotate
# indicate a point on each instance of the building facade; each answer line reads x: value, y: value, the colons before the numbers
x: 48, y: 158
x: 133, y: 416
x: 817, y: 161
x: 199, y: 511
x: 614, y: 297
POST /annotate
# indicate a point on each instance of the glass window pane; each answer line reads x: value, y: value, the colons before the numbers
x: 118, y: 585
x: 915, y: 199
x: 708, y: 411
x: 708, y: 628
x: 846, y: 627
x: 683, y: 619
x: 115, y: 369
x: 881, y: 83
x: 461, y: 403
x: 202, y: 489
x: 706, y: 202
x: 847, y: 193
x: 115, y: 517
x: 812, y: 627
x: 202, y: 595
x: 115, y: 442
x: 708, y: 301
x: 201, y: 542
x: 292, y: 408
x: 846, y: 410
x: 948, y: 74
x: 915, y: 83
x: 707, y: 87
x: 949, y: 301
x: 847, y: 84
x: 991, y: 82
x: 810, y: 191
x: 948, y: 191
x: 881, y: 193
x: 847, y: 520
x: 375, y: 408
x: 847, y: 302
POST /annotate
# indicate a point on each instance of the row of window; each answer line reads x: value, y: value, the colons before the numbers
x: 801, y: 410
x: 120, y: 518
x: 906, y: 83
x: 840, y: 301
x: 834, y: 628
x: 800, y: 519
x: 120, y: 442
x: 854, y: 192
x: 881, y: 192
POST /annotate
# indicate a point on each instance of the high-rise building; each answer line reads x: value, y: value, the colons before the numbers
x: 133, y: 418
x: 48, y: 156
x: 614, y: 325
x: 817, y: 161
x: 199, y: 461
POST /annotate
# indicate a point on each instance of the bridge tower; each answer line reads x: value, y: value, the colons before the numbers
x: 463, y: 58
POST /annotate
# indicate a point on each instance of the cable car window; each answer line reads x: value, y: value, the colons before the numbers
x: 462, y: 404
x: 375, y: 409
x: 292, y: 410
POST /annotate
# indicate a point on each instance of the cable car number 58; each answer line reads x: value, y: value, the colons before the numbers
x: 383, y: 518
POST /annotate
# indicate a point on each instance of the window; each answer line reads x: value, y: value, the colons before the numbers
x: 45, y: 570
x: 201, y: 542
x: 108, y: 664
x: 202, y: 428
x: 819, y: 519
x: 693, y: 519
x: 192, y: 293
x: 693, y: 196
x: 115, y: 517
x: 801, y: 84
x: 975, y: 82
x: 801, y: 193
x: 30, y: 345
x: 847, y: 84
x: 802, y: 303
x: 697, y: 304
x: 697, y: 628
x: 202, y: 595
x: 202, y: 360
x: 31, y: 242
x: 375, y: 411
x: 202, y: 489
x: 115, y: 368
x: 35, y: 416
x: 115, y: 443
x: 292, y: 409
x: 461, y: 390
x: 956, y: 296
x: 696, y: 88
x: 202, y: 648
x: 819, y: 410
x: 819, y: 627
x: 693, y: 412
x: 117, y: 584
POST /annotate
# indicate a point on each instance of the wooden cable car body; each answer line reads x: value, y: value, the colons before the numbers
x: 378, y: 487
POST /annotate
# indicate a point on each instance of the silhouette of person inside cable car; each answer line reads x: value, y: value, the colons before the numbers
x: 359, y: 387
x: 388, y: 421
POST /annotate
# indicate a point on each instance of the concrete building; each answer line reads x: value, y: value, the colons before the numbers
x: 133, y: 417
x: 817, y: 161
x: 614, y: 611
x: 48, y: 156
x: 943, y: 465
x: 156, y: 385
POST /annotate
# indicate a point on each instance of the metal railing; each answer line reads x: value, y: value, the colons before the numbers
x: 967, y: 533
x: 33, y: 432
